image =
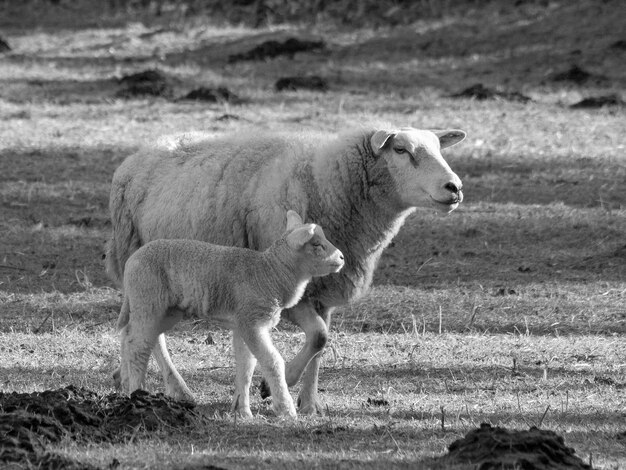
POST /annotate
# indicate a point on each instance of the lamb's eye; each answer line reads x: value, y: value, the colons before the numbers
x: 316, y: 244
x: 399, y: 150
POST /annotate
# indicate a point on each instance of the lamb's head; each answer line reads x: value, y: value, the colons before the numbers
x: 314, y: 253
x: 421, y: 175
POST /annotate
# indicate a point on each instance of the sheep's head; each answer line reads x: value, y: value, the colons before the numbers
x: 315, y: 253
x: 421, y: 175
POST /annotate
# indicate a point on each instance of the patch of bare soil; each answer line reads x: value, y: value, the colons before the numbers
x: 31, y: 421
x: 499, y: 448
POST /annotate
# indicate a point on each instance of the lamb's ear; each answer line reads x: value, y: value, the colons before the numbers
x: 450, y: 137
x: 293, y: 220
x: 380, y: 139
x: 300, y: 236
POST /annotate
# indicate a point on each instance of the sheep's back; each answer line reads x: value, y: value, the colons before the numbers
x: 223, y: 191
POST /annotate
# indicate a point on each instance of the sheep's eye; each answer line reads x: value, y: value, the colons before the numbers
x: 316, y: 244
x: 399, y: 150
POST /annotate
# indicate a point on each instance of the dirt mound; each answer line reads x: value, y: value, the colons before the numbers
x: 481, y: 92
x: 577, y: 75
x: 499, y: 448
x: 271, y: 49
x: 4, y: 46
x: 594, y: 102
x: 619, y: 45
x: 30, y: 421
x: 308, y: 82
x: 213, y: 95
x: 145, y: 83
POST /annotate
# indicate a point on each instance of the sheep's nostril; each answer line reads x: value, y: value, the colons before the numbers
x: 453, y: 188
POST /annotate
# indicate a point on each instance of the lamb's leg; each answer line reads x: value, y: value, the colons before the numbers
x: 175, y: 386
x: 137, y: 341
x: 244, y: 365
x: 272, y: 365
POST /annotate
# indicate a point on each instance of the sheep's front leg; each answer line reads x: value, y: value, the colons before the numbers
x: 307, y: 361
x: 308, y: 400
x: 272, y: 365
x: 244, y: 365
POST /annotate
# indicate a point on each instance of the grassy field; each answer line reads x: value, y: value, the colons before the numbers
x: 511, y: 310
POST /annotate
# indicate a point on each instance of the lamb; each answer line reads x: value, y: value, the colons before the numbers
x: 233, y: 189
x: 242, y: 289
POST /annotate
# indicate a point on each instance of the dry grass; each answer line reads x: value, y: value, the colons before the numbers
x: 511, y: 306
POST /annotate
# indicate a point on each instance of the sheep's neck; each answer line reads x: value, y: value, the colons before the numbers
x: 376, y: 216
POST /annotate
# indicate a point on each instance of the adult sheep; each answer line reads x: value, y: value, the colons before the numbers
x: 234, y: 190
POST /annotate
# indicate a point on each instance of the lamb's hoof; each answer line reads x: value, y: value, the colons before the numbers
x: 243, y: 413
x: 264, y: 389
x: 310, y: 407
x: 286, y: 411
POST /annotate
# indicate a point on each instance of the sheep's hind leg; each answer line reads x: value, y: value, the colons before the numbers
x: 175, y: 386
x: 244, y: 365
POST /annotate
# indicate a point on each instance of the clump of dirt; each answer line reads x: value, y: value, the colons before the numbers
x: 376, y: 402
x: 4, y: 46
x: 307, y: 82
x: 30, y: 421
x: 213, y: 95
x: 495, y: 448
x: 619, y: 45
x: 271, y: 49
x: 146, y: 83
x: 594, y: 102
x: 577, y: 75
x: 481, y: 92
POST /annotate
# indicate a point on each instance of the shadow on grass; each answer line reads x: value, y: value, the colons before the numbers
x: 55, y: 212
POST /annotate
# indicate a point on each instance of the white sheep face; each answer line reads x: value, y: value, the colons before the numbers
x: 421, y: 175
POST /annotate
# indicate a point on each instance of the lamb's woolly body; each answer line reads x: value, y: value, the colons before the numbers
x: 243, y: 290
x: 206, y: 280
x: 241, y: 200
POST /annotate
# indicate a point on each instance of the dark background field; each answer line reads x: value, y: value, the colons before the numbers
x: 531, y: 267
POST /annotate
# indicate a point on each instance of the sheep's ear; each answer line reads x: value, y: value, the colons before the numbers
x: 450, y: 137
x: 380, y: 139
x: 293, y: 220
x: 300, y: 236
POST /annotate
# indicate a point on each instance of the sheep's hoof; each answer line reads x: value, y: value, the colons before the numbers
x: 310, y: 407
x: 264, y: 389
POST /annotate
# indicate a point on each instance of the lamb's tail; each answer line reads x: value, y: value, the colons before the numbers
x: 124, y: 240
x: 124, y: 317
